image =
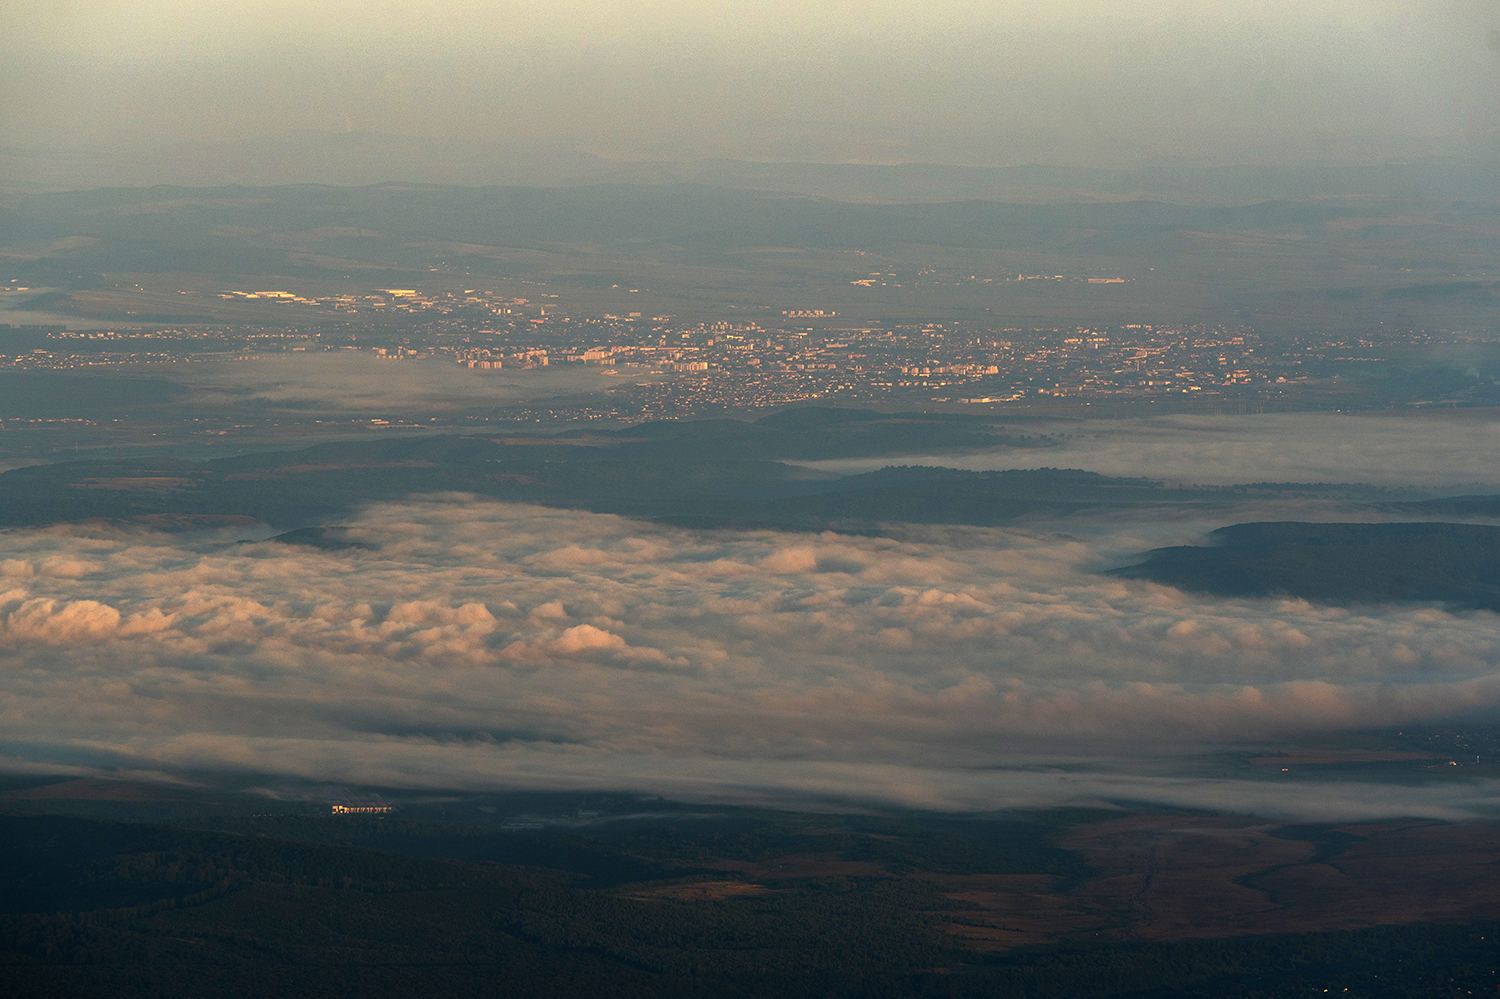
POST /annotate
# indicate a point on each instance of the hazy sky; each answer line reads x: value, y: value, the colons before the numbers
x: 994, y: 82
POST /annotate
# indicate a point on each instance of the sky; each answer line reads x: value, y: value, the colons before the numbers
x: 992, y: 83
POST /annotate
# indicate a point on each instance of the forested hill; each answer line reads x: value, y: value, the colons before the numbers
x: 1456, y: 564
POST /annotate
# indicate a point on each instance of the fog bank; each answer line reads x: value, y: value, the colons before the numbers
x: 477, y: 644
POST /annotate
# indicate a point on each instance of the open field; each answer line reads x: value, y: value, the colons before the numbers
x: 661, y: 895
x: 1159, y: 877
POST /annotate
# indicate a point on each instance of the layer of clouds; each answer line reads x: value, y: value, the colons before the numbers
x: 1430, y: 451
x: 484, y: 645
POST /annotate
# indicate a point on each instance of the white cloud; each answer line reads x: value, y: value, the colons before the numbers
x: 1432, y: 451
x: 480, y: 643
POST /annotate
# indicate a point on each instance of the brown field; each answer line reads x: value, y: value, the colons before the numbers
x: 1165, y: 877
x: 1174, y: 878
x: 799, y: 865
x: 792, y: 866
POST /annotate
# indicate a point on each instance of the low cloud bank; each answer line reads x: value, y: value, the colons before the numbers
x: 359, y: 382
x: 1428, y: 450
x: 480, y: 644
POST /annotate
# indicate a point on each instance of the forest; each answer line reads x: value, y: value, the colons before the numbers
x: 303, y: 904
x: 1456, y: 564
